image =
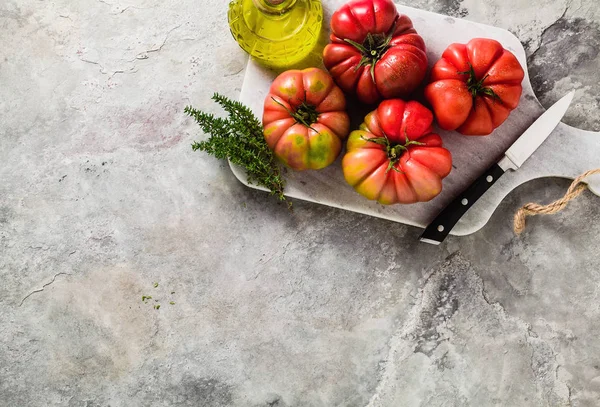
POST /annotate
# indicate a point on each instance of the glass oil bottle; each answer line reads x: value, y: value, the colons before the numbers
x: 278, y: 33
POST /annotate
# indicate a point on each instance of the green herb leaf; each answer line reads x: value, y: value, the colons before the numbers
x: 239, y: 138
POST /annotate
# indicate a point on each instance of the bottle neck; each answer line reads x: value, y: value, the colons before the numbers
x: 276, y: 7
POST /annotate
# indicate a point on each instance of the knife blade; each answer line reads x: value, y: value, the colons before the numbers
x: 513, y: 158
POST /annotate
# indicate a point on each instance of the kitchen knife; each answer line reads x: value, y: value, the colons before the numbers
x: 513, y: 158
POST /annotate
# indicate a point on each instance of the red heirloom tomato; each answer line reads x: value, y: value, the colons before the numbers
x: 375, y: 53
x: 305, y: 120
x: 395, y: 157
x: 474, y: 87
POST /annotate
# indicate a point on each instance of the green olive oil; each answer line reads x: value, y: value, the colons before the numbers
x: 278, y: 33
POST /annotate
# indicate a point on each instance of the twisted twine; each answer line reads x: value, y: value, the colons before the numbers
x: 532, y: 209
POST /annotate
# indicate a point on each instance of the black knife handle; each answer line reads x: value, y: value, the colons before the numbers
x: 441, y: 226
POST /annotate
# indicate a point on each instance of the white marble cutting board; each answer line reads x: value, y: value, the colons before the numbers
x: 567, y: 153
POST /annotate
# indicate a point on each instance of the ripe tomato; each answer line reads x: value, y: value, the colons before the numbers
x: 375, y: 53
x: 305, y: 120
x: 395, y: 157
x: 474, y: 87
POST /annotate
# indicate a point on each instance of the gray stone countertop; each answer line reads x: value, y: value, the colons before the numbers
x: 101, y: 197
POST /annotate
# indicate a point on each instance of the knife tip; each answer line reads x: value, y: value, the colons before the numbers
x: 569, y: 96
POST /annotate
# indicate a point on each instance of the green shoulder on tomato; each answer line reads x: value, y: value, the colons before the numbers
x: 395, y: 157
x: 305, y: 119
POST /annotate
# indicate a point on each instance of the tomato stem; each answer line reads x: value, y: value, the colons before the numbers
x: 476, y: 87
x: 394, y: 151
x: 373, y: 48
x: 305, y: 113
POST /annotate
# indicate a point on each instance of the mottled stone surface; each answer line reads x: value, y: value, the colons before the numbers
x: 101, y: 197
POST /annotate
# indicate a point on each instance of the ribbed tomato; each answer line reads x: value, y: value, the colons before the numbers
x: 395, y: 157
x: 305, y: 120
x: 474, y: 87
x: 375, y: 52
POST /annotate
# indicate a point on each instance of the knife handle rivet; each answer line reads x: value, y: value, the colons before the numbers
x: 489, y: 178
x: 440, y: 228
x: 464, y: 201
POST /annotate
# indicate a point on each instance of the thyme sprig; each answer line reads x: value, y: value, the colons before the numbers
x: 239, y: 138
